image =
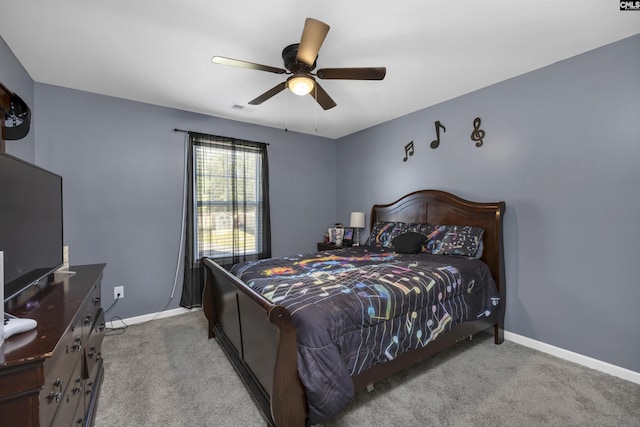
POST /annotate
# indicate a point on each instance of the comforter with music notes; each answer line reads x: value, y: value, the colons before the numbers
x: 357, y: 307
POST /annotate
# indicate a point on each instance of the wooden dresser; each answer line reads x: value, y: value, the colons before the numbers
x: 51, y: 376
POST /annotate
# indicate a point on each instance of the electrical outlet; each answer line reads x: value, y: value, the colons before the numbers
x: 118, y: 292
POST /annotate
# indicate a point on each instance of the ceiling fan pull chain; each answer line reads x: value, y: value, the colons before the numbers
x: 286, y: 112
x: 315, y: 108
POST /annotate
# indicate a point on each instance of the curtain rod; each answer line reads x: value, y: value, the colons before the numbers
x: 215, y: 136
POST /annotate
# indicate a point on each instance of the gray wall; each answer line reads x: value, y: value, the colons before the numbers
x: 123, y: 169
x: 562, y: 148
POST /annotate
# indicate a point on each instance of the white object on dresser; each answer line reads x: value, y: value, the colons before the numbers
x: 2, y: 296
x: 17, y: 326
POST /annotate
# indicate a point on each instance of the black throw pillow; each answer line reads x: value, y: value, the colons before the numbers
x: 409, y: 243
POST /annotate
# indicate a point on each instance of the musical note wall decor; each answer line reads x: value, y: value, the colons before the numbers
x: 408, y: 151
x: 435, y: 143
x: 478, y: 134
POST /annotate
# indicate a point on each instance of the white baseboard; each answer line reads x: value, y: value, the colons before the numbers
x: 112, y: 324
x: 598, y: 365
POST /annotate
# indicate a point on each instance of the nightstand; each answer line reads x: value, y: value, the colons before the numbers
x: 327, y: 246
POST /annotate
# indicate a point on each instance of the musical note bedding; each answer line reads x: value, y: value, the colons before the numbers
x: 357, y: 307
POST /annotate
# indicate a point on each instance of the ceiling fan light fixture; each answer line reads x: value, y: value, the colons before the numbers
x: 300, y: 84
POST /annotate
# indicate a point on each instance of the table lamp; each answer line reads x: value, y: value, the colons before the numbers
x: 357, y: 222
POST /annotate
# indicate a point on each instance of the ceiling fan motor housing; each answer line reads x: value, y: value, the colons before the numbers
x: 289, y: 54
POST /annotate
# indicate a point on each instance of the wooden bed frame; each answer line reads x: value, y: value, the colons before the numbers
x: 259, y: 337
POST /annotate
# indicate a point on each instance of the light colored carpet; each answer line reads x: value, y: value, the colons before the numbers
x: 167, y: 373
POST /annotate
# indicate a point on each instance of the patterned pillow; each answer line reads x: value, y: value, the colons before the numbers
x: 459, y: 241
x: 383, y: 233
x: 435, y: 234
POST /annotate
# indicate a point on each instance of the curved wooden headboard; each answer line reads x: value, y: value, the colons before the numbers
x: 442, y: 208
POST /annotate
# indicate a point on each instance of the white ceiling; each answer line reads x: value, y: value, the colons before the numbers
x: 159, y: 51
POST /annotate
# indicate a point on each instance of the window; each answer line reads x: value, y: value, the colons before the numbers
x: 227, y: 210
x: 230, y: 200
x: 228, y: 197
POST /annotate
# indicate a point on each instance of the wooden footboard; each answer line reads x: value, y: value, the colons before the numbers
x: 259, y: 337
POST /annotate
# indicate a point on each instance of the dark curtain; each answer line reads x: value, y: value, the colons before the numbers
x: 227, y: 216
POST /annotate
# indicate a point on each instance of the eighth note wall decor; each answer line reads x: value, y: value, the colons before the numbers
x: 477, y: 136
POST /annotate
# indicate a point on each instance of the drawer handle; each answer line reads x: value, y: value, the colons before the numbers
x: 55, y: 396
x: 96, y: 301
x: 77, y: 345
x: 87, y: 320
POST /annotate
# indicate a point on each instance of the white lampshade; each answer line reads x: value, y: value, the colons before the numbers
x: 357, y: 220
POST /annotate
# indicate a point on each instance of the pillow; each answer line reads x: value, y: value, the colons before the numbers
x: 460, y: 241
x: 409, y: 243
x: 383, y: 233
x: 379, y: 234
x: 478, y: 253
x: 457, y: 240
x: 435, y: 234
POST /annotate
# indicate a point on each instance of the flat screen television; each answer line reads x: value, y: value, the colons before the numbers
x: 30, y: 223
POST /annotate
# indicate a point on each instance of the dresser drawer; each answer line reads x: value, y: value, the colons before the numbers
x: 72, y: 397
x: 20, y: 379
x: 19, y: 388
x: 89, y: 311
x: 58, y: 371
x: 93, y: 347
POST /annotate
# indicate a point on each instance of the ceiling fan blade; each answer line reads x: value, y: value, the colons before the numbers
x: 244, y: 64
x: 268, y: 94
x: 312, y: 38
x: 367, y: 73
x: 322, y: 97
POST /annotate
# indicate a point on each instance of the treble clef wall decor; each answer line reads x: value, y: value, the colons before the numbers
x: 478, y: 134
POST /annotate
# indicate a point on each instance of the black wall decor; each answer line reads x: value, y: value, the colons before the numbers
x: 436, y: 142
x: 408, y: 151
x: 15, y: 116
x: 477, y: 135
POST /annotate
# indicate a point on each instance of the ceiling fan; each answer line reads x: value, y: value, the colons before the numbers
x: 300, y: 61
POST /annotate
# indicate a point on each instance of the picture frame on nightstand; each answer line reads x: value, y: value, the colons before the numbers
x: 347, y: 239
